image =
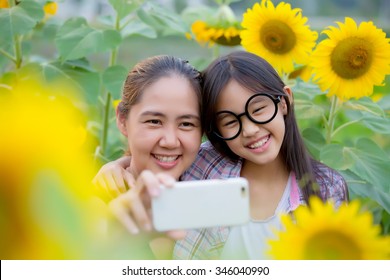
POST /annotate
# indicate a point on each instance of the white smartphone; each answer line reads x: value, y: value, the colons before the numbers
x: 202, y: 203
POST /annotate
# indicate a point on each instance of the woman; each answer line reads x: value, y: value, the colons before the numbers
x: 163, y: 138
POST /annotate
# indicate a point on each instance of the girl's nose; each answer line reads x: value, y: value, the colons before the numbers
x: 249, y: 128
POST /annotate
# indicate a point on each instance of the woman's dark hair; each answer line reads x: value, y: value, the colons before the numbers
x: 152, y: 69
x: 257, y: 75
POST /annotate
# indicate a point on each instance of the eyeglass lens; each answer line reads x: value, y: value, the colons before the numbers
x: 259, y: 109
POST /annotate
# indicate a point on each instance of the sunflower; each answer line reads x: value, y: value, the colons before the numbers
x: 278, y: 34
x: 352, y: 60
x: 50, y: 8
x: 211, y: 34
x: 321, y: 232
x: 4, y: 4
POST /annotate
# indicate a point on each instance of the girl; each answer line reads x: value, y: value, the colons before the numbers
x: 253, y: 133
x: 250, y: 123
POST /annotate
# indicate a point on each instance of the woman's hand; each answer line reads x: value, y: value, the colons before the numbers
x: 113, y: 179
x: 133, y: 208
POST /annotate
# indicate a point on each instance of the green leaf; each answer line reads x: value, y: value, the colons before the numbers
x: 306, y: 109
x: 33, y: 9
x: 384, y: 103
x: 113, y: 78
x: 87, y: 81
x: 200, y: 12
x: 337, y: 156
x: 377, y: 124
x: 365, y: 105
x: 19, y: 20
x: 369, y: 162
x: 372, y: 164
x: 138, y: 27
x: 76, y: 40
x: 360, y: 188
x: 163, y: 20
x: 314, y: 141
x: 125, y: 7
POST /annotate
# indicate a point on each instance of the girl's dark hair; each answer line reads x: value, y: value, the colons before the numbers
x: 152, y: 69
x: 257, y: 75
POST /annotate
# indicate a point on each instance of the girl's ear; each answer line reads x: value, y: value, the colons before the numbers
x: 287, y: 90
x: 121, y: 122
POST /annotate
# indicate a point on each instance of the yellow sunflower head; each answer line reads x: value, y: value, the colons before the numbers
x: 50, y: 8
x: 322, y: 232
x: 45, y: 172
x: 222, y: 29
x: 4, y: 4
x: 215, y: 34
x: 352, y: 60
x: 278, y: 34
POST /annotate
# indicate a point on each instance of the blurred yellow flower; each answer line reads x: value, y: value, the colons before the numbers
x: 45, y: 174
x: 352, y: 60
x: 321, y: 233
x: 225, y: 36
x: 115, y: 103
x: 304, y: 72
x: 50, y: 8
x: 278, y: 34
x: 4, y: 4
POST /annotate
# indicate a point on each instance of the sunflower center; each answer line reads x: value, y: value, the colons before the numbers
x: 277, y: 37
x: 331, y: 245
x: 352, y: 58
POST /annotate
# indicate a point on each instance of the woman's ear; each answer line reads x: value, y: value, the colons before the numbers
x: 287, y: 90
x: 121, y: 122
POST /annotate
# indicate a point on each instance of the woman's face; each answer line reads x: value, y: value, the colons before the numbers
x: 163, y: 128
x: 257, y: 143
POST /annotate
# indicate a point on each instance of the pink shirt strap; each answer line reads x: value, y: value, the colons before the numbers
x: 294, y: 195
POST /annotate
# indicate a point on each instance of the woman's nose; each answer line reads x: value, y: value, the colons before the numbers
x: 170, y: 138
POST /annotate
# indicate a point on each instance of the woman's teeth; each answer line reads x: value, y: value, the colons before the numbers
x: 166, y: 158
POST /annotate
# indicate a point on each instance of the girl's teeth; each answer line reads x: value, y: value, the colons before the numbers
x: 259, y: 144
x: 165, y: 158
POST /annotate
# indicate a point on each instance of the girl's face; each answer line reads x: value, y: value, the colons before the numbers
x: 257, y: 143
x: 163, y: 128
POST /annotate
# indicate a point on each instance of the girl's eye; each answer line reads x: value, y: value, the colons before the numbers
x: 258, y: 110
x: 230, y: 123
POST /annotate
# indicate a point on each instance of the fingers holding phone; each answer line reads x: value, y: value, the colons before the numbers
x: 133, y: 208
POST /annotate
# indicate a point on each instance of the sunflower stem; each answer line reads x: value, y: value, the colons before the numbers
x: 215, y: 51
x: 107, y: 98
x: 18, y: 51
x: 8, y: 55
x: 106, y: 117
x: 337, y: 130
x: 331, y: 119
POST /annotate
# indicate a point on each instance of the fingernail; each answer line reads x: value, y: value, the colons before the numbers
x: 170, y: 181
x: 154, y: 191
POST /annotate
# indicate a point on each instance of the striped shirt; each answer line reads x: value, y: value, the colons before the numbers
x: 208, y: 243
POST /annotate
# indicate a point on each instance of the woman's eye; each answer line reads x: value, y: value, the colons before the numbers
x: 189, y: 125
x: 154, y: 121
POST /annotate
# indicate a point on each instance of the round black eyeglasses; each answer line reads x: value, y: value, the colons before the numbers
x: 260, y: 108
